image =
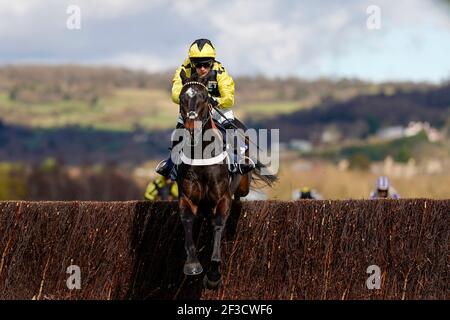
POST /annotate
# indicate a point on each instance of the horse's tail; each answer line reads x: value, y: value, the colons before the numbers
x: 268, y: 179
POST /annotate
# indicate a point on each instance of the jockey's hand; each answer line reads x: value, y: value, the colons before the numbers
x: 213, y: 101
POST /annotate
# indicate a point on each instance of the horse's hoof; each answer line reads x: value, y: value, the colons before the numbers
x: 192, y: 269
x: 212, y: 285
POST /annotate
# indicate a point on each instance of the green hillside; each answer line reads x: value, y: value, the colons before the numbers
x: 123, y: 100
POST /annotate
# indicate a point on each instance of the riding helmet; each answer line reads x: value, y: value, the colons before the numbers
x: 202, y: 50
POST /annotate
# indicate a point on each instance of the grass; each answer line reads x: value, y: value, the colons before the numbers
x: 400, y: 149
x: 332, y: 183
x: 335, y: 184
x: 5, y: 101
x: 123, y: 110
x: 11, y: 186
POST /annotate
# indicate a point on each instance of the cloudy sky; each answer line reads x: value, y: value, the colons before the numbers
x: 309, y: 39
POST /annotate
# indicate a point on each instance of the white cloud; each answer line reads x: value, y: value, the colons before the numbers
x: 276, y: 38
x: 112, y: 9
x: 21, y: 16
x: 278, y: 41
x: 135, y: 61
x: 17, y: 8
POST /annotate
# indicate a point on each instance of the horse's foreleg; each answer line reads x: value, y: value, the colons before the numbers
x: 213, y: 278
x: 192, y: 265
x: 219, y: 225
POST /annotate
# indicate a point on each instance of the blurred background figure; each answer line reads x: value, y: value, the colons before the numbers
x: 384, y: 190
x: 161, y: 189
x: 306, y: 193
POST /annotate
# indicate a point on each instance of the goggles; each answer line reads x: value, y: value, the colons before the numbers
x: 207, y: 64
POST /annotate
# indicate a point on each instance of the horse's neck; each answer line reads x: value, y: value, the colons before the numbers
x: 205, y: 128
x: 205, y: 143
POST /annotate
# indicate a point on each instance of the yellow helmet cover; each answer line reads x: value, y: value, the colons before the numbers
x: 202, y: 48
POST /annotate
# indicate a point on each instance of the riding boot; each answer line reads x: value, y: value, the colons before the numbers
x: 239, y: 164
x: 165, y: 167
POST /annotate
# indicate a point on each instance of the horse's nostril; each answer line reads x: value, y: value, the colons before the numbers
x: 192, y: 115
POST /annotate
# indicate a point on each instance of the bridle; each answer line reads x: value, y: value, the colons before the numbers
x: 195, y: 82
x: 192, y: 115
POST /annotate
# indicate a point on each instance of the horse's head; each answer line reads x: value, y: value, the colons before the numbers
x: 194, y: 107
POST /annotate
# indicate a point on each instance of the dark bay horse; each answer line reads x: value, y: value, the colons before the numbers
x: 205, y: 183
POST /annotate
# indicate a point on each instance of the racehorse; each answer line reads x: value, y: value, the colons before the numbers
x: 206, y: 182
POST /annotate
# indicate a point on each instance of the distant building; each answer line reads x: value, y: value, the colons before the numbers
x: 390, y: 133
x: 415, y: 128
x: 300, y: 145
x: 331, y: 135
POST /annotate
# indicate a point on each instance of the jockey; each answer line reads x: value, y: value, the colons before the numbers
x: 307, y: 193
x: 384, y: 190
x: 201, y: 61
x: 161, y: 189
